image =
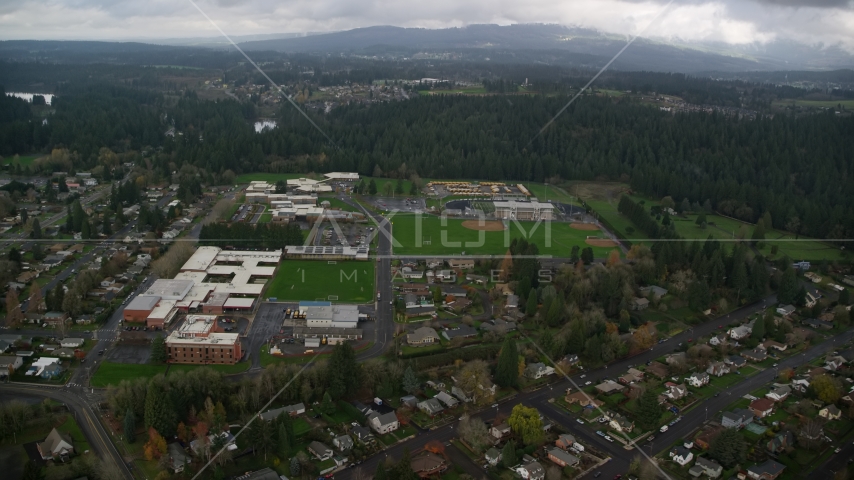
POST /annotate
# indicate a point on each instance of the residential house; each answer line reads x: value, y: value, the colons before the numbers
x: 434, y: 263
x: 755, y: 355
x: 445, y: 276
x: 431, y: 406
x: 739, y: 333
x: 453, y: 291
x: 786, y: 310
x: 531, y: 471
x: 639, y: 304
x: 52, y: 371
x: 462, y: 331
x: 478, y: 279
x: 428, y: 464
x: 781, y: 442
x: 583, y: 399
x: 633, y: 375
x: 422, y: 336
x: 384, y: 423
x: 609, y: 387
x: 676, y: 358
x: 56, y: 446
x: 738, y: 418
x: 674, y: 391
x: 704, y: 466
x: 769, y: 470
x: 771, y: 344
x: 63, y: 352
x: 762, y: 407
x: 291, y: 410
x: 512, y: 301
x: 658, y: 369
x: 177, y: 457
x: 462, y: 264
x: 621, y: 424
x: 72, y: 343
x: 656, y: 291
x: 362, y: 434
x: 718, y: 369
x: 830, y: 412
x: 448, y: 400
x: 409, y: 400
x: 817, y: 324
x: 697, y: 380
x: 343, y: 443
x: 320, y: 451
x: 565, y: 441
x: 538, y: 370
x: 779, y: 393
x: 735, y: 362
x: 55, y: 318
x: 681, y: 455
x: 719, y: 339
x: 500, y: 431
x: 563, y: 458
x: 834, y: 362
x: 458, y: 306
x: 493, y: 456
x: 10, y: 363
x: 107, y: 282
x: 801, y: 384
x: 409, y: 273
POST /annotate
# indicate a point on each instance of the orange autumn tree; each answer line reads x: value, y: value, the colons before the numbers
x: 435, y: 446
x: 156, y: 445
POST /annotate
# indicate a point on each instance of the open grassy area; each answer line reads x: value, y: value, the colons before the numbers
x: 111, y: 373
x: 335, y: 202
x: 224, y: 369
x: 411, y: 232
x: 350, y: 281
x: 23, y: 160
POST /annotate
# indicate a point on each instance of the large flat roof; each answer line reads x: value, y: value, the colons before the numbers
x: 239, y: 302
x: 170, y: 289
x: 197, y: 325
x: 201, y: 259
x: 143, y: 302
x: 531, y: 205
x: 162, y: 310
x: 212, y: 339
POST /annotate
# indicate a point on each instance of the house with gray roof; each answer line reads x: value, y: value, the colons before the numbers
x: 431, y: 406
x: 738, y: 418
x: 704, y: 466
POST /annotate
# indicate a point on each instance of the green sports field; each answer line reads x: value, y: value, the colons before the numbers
x: 350, y: 281
x: 428, y: 236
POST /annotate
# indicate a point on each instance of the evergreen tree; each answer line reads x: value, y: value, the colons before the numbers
x: 788, y: 290
x: 508, y: 454
x: 342, y: 372
x: 382, y: 471
x: 36, y: 232
x: 129, y: 425
x: 159, y: 411
x: 758, y: 232
x: 531, y: 305
x: 410, y: 381
x: 507, y: 369
x: 327, y: 406
x: 372, y: 187
x: 33, y: 471
x: 283, y: 442
x: 844, y: 297
x: 728, y: 448
x: 758, y: 331
x: 295, y: 467
x: 649, y: 410
x: 413, y: 189
x: 587, y: 255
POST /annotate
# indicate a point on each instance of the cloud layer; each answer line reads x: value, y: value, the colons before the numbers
x: 739, y: 22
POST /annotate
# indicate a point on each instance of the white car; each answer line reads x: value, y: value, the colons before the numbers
x: 579, y: 421
x: 663, y: 429
x: 609, y: 439
x: 588, y: 382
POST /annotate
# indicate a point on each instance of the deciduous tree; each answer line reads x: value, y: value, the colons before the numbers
x: 525, y: 422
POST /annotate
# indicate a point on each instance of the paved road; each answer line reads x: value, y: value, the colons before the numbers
x: 80, y: 405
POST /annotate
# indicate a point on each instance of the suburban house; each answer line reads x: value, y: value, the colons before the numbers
x: 500, y: 431
x: 8, y: 362
x: 739, y: 333
x: 71, y: 343
x: 462, y: 264
x: 493, y: 456
x: 818, y: 324
x: 632, y: 376
x: 769, y: 470
x: 675, y: 392
x: 781, y: 442
x: 563, y: 458
x: 621, y: 424
x: 412, y: 300
x: 448, y: 400
x: 704, y: 466
x: 362, y: 434
x: 718, y: 369
x: 639, y: 304
x: 779, y: 393
x: 431, y: 406
x: 462, y: 331
x: 565, y: 441
x: 343, y: 443
x: 771, y: 344
x: 609, y: 387
x: 445, y: 276
x: 657, y: 292
x: 681, y: 455
x: 384, y: 423
x: 735, y: 361
x: 719, y: 339
x: 538, y: 370
x: 422, y: 336
x: 697, y: 380
x: 428, y: 465
x: 178, y: 458
x: 320, y: 451
x: 56, y: 446
x: 582, y: 399
x: 833, y: 362
x: 531, y: 471
x: 675, y: 358
x: 658, y: 369
x: 512, y: 301
x: 291, y: 410
x: 762, y: 407
x: 738, y: 418
x: 801, y: 384
x: 830, y: 412
x: 409, y: 400
x: 755, y: 355
x: 453, y: 291
x: 786, y: 310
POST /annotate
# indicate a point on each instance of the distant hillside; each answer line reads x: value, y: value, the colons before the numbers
x: 643, y: 55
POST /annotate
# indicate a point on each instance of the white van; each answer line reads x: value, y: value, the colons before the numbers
x: 663, y: 429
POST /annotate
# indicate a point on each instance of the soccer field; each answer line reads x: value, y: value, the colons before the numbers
x: 350, y: 281
x: 427, y: 235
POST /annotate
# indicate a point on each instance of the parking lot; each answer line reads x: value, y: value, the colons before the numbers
x: 353, y: 234
x: 402, y: 204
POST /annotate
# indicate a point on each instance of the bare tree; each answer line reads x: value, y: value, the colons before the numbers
x: 474, y: 432
x: 170, y: 263
x: 811, y: 433
x: 220, y: 211
x: 553, y: 473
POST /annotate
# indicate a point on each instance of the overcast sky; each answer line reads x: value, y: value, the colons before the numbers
x: 730, y: 21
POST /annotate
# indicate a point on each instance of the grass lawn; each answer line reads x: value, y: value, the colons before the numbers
x: 23, y: 160
x: 111, y: 373
x: 408, y: 351
x: 224, y: 369
x: 411, y: 232
x: 301, y: 426
x: 271, y: 177
x: 727, y: 380
x: 335, y: 202
x: 550, y: 193
x: 349, y: 281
